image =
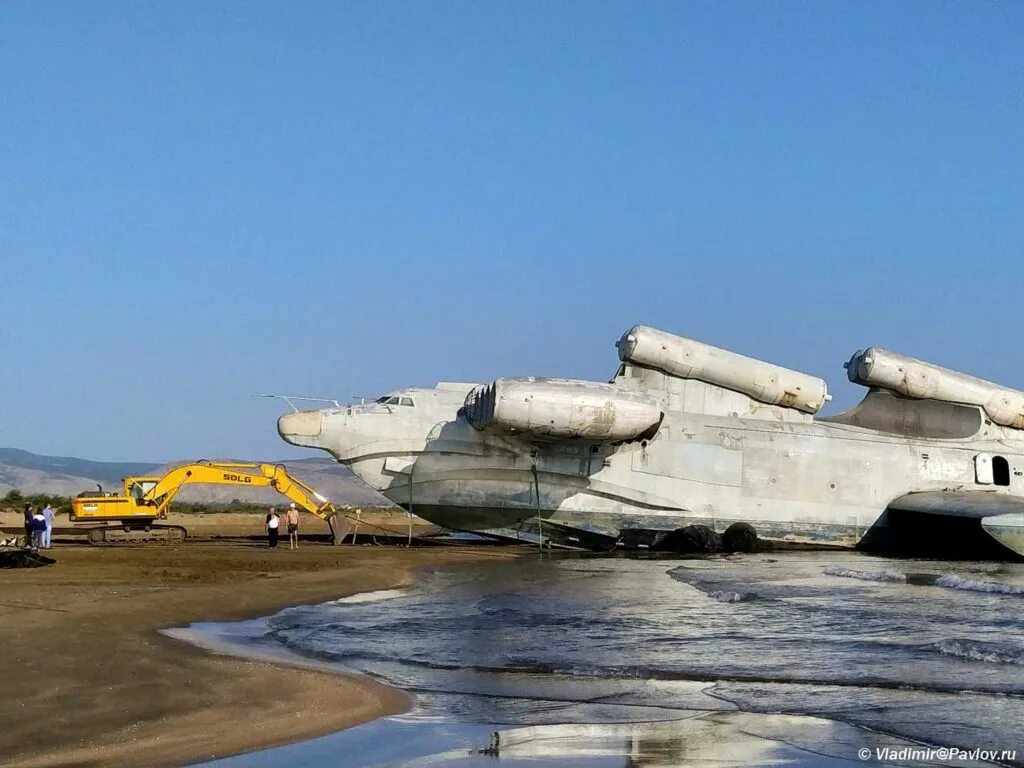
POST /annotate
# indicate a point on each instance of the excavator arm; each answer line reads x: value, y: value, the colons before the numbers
x: 252, y: 475
x: 145, y: 499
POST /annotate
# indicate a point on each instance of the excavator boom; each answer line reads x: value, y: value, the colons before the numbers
x: 223, y: 473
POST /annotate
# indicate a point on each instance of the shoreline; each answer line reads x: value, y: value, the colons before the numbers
x: 88, y: 658
x: 430, y: 729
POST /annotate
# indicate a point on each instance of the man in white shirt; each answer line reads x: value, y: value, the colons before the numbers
x: 273, y: 521
x: 48, y: 515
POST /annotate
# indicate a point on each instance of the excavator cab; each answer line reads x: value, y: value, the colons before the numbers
x: 125, y: 516
x: 140, y: 486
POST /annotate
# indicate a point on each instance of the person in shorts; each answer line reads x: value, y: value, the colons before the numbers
x: 293, y: 526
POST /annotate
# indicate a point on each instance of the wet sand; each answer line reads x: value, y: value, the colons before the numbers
x: 89, y: 680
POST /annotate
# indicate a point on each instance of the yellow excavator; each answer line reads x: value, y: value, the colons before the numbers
x: 145, y: 500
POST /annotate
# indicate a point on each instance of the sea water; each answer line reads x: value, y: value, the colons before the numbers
x: 788, y: 659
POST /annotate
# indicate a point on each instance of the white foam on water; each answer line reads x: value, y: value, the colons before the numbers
x: 965, y: 649
x: 952, y: 581
x: 223, y: 644
x: 371, y: 597
x: 880, y: 576
x: 731, y: 597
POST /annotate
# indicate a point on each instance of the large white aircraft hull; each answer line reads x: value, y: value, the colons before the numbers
x: 718, y: 458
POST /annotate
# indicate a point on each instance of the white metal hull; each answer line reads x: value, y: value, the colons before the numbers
x: 810, y: 484
x: 718, y: 457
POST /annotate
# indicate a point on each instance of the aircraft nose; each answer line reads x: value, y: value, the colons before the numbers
x: 301, y: 427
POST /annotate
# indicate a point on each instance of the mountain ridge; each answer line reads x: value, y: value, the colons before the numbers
x: 68, y: 476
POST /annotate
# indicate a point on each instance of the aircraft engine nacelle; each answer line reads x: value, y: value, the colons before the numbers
x: 876, y: 367
x: 558, y: 409
x: 688, y: 359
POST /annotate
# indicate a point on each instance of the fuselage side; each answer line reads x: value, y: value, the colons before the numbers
x: 718, y: 458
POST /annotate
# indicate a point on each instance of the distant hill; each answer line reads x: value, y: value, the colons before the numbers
x: 69, y: 476
x: 106, y: 472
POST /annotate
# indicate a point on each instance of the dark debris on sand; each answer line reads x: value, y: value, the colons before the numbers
x: 23, y: 558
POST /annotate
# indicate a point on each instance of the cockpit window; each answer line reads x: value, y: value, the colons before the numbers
x: 393, y: 400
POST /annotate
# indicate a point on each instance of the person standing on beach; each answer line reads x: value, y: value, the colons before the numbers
x: 27, y: 514
x: 48, y: 515
x: 273, y: 523
x: 293, y: 527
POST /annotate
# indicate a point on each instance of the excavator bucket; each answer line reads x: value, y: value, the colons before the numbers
x: 340, y: 528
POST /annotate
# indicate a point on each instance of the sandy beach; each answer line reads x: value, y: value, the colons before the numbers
x: 89, y: 680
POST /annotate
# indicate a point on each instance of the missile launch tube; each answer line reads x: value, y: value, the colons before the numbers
x: 876, y: 367
x: 558, y: 409
x: 689, y: 359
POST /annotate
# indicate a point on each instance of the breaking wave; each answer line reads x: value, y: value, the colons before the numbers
x: 948, y: 581
x: 371, y: 597
x: 712, y: 589
x: 851, y: 573
x: 978, y: 651
x: 951, y: 581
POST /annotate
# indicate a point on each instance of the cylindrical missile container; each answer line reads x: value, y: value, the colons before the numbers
x: 688, y: 359
x: 877, y: 367
x: 555, y: 409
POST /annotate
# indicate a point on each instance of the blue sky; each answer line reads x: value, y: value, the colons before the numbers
x: 203, y: 200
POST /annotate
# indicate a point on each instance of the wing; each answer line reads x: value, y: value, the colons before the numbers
x: 973, y: 504
x: 1000, y: 515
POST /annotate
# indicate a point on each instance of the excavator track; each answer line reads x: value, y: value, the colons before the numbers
x: 153, y: 533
